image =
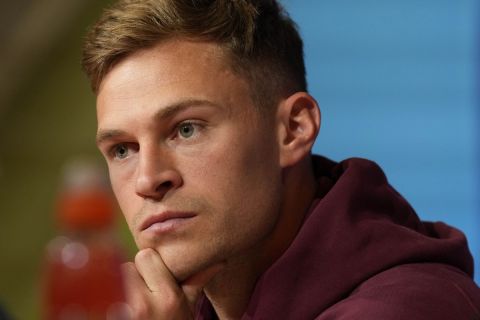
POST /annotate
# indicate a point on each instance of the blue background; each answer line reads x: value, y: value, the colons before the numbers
x: 397, y: 83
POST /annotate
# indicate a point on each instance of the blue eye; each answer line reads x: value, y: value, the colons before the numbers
x: 120, y: 151
x: 186, y: 130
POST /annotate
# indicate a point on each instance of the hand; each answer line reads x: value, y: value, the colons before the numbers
x: 153, y: 293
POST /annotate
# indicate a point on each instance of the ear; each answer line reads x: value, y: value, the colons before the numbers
x: 298, y: 119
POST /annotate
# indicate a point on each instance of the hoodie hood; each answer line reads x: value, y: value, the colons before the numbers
x: 357, y: 227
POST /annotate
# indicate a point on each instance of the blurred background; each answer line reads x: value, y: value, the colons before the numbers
x: 397, y: 82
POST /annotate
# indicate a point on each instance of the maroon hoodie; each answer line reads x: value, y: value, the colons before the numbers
x: 363, y: 253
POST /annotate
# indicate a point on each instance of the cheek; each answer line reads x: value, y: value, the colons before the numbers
x: 124, y: 189
x: 239, y: 178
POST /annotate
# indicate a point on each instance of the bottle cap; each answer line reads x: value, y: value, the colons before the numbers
x: 85, y: 200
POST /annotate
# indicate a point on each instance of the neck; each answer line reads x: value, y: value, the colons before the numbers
x: 230, y: 291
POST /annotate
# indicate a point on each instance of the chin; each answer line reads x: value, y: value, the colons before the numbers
x: 184, y: 263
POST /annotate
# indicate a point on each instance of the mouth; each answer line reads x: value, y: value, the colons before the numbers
x: 165, y: 221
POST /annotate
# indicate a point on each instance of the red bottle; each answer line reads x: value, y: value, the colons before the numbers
x: 82, y: 277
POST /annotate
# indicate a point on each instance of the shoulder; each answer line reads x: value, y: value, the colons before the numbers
x: 411, y: 291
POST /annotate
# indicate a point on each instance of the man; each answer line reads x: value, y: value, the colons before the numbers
x: 207, y: 128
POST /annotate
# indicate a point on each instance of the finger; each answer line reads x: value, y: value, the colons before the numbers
x: 155, y: 273
x: 134, y: 286
x: 193, y: 286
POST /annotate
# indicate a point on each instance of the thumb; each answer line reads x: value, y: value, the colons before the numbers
x: 193, y: 286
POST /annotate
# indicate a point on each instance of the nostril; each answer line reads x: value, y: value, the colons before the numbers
x: 166, y: 185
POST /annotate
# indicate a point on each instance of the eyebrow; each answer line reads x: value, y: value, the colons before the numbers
x: 105, y: 135
x: 161, y: 115
x: 175, y: 108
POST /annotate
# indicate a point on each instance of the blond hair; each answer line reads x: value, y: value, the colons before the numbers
x: 260, y: 40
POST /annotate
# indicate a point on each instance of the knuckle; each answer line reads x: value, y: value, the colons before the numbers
x: 144, y: 255
x: 169, y: 306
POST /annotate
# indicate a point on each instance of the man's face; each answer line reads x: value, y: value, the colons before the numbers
x: 194, y: 166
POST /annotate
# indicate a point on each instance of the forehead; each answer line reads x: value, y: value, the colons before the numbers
x: 168, y: 61
x: 170, y: 72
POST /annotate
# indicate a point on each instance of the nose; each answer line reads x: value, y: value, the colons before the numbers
x: 156, y: 175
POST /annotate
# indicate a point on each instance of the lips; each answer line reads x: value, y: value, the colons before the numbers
x: 165, y: 221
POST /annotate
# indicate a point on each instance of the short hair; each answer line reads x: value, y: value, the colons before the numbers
x: 261, y: 42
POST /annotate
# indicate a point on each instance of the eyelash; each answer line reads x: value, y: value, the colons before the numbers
x: 195, y: 125
x: 128, y: 146
x: 114, y: 149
